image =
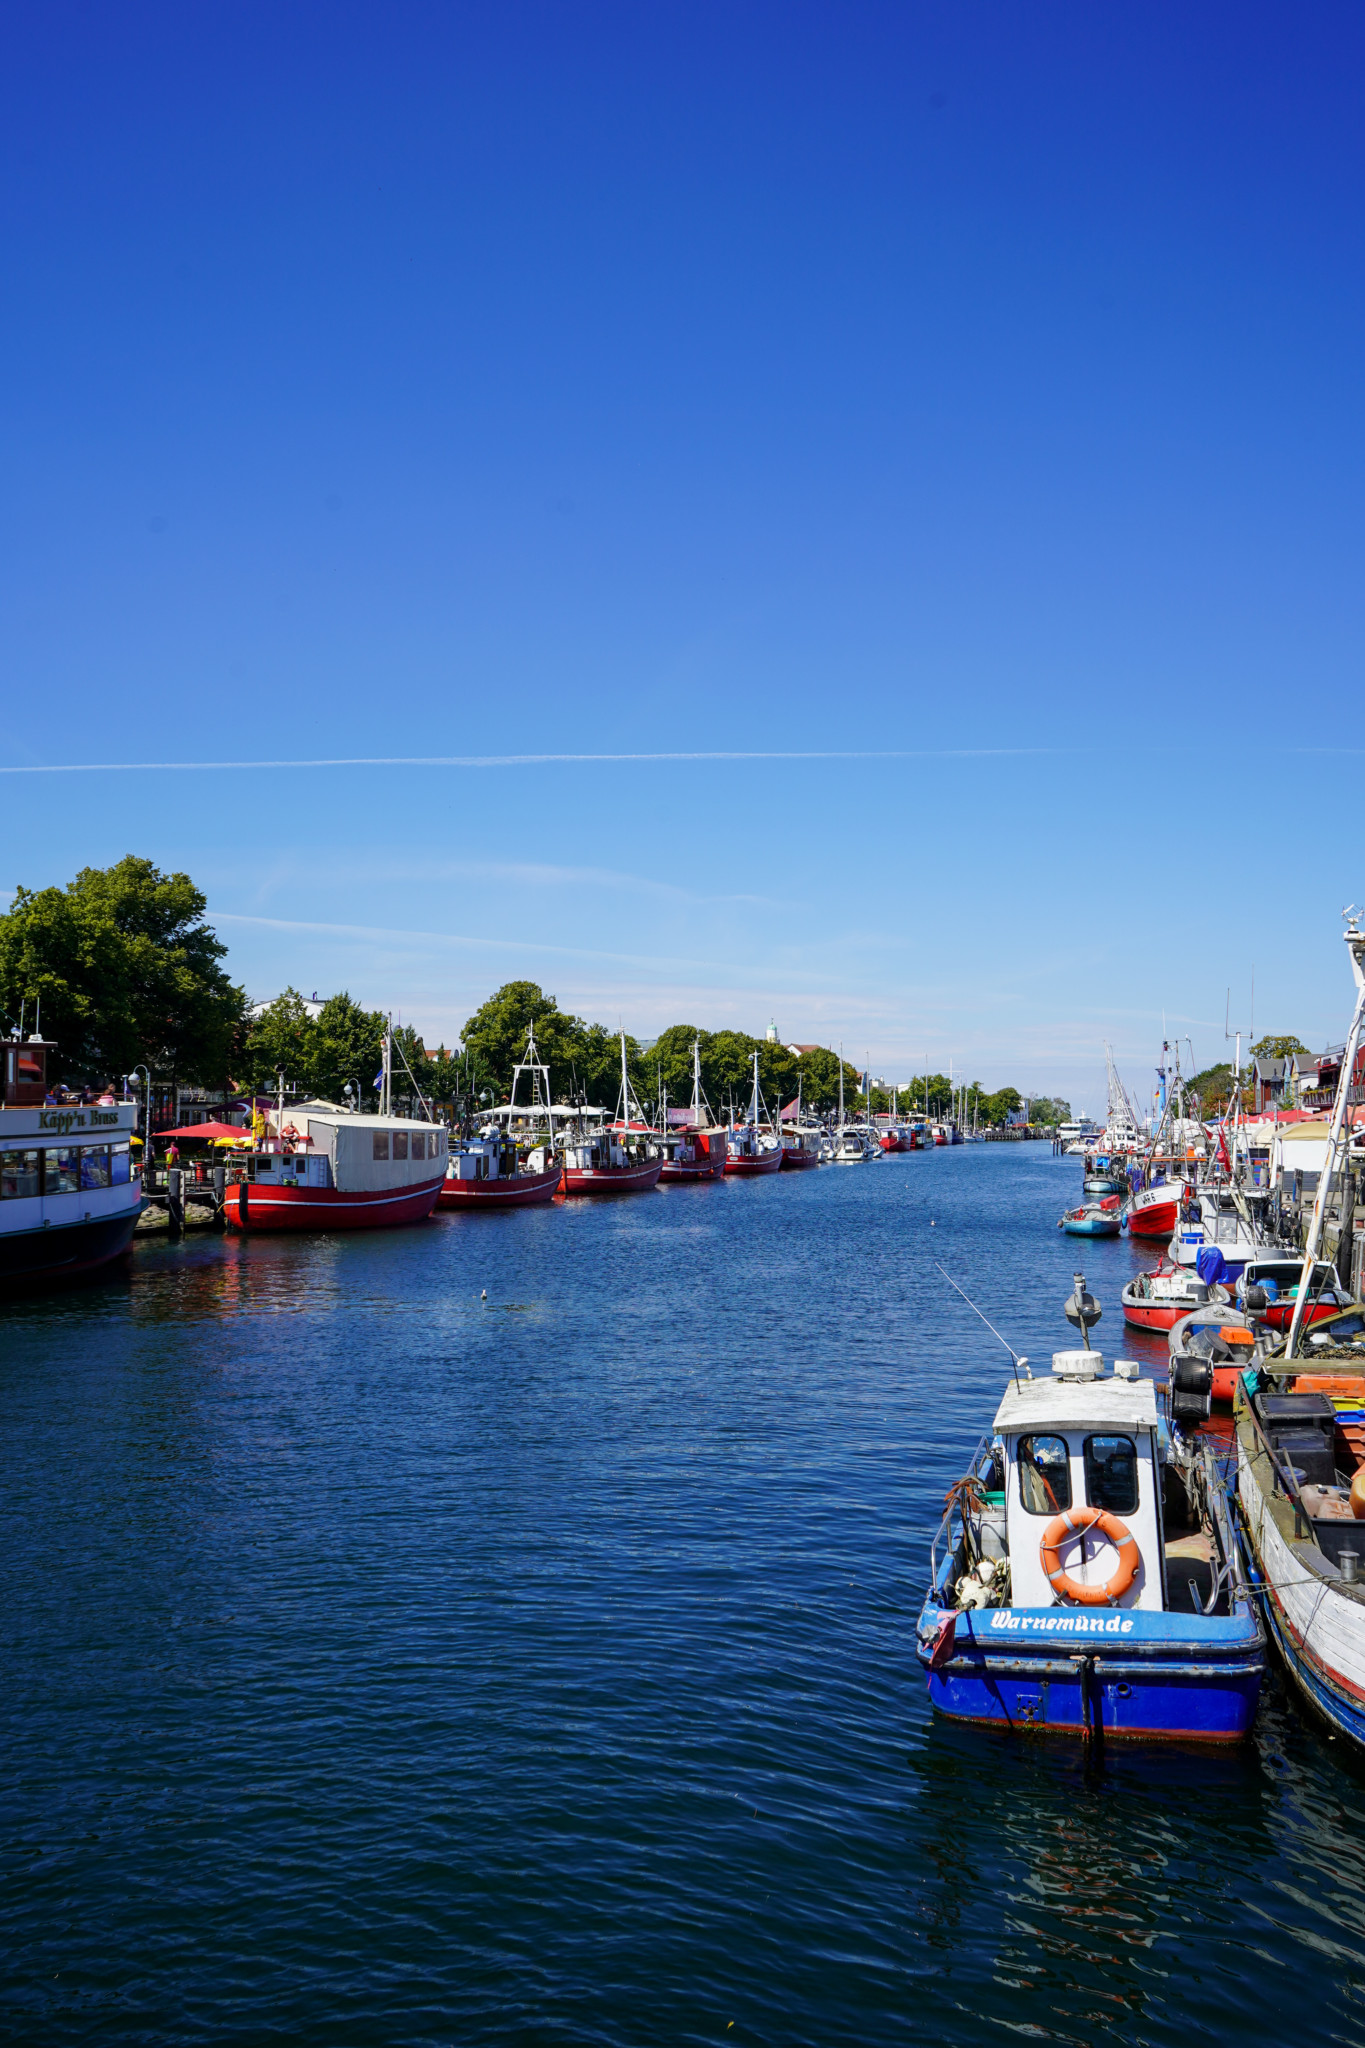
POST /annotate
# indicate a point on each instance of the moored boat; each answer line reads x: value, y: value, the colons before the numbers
x: 70, y: 1196
x: 622, y: 1158
x: 1094, y: 1219
x: 749, y: 1148
x: 489, y: 1172
x: 1157, y: 1300
x: 1086, y: 1578
x: 1154, y: 1211
x: 695, y: 1150
x: 336, y: 1169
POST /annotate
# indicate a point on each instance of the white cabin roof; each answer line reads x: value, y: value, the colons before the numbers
x: 1061, y: 1403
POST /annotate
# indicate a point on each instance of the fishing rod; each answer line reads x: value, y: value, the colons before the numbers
x: 1015, y: 1360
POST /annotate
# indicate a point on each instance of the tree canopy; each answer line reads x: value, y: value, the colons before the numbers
x: 1278, y: 1048
x: 127, y: 972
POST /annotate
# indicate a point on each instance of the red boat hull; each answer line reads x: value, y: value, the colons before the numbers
x: 1153, y: 1219
x: 1155, y: 1315
x: 612, y: 1180
x: 248, y: 1205
x: 708, y: 1162
x: 519, y: 1191
x: 795, y: 1157
x: 766, y: 1162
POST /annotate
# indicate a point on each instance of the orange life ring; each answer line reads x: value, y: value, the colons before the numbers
x: 1074, y: 1523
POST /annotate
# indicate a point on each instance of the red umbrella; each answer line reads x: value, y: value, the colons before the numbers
x: 210, y: 1130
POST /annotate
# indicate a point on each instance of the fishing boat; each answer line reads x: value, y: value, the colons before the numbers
x: 1094, y: 1219
x: 1300, y: 1434
x: 850, y: 1145
x: 70, y: 1196
x: 749, y: 1148
x: 622, y: 1158
x: 802, y: 1142
x: 696, y: 1151
x: 499, y: 1170
x: 1158, y: 1300
x: 491, y: 1172
x: 1086, y: 1578
x: 1269, y: 1290
x: 1154, y: 1211
x: 1104, y: 1175
x: 323, y: 1167
x: 1218, y: 1234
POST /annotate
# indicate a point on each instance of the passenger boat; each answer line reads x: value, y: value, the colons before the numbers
x: 749, y: 1148
x: 1157, y: 1300
x: 1086, y: 1578
x: 623, y: 1158
x: 1094, y: 1219
x: 698, y: 1151
x: 70, y: 1196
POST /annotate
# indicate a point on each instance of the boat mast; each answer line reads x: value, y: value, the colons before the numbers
x: 1355, y: 940
x: 696, y: 1084
x: 841, y: 1087
x: 625, y: 1083
x: 753, y: 1107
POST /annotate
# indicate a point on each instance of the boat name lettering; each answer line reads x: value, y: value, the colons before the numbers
x: 62, y: 1120
x: 1069, y: 1624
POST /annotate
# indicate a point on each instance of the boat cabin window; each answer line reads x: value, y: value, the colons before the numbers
x: 400, y: 1144
x: 20, y: 1175
x: 419, y: 1144
x: 1111, y: 1477
x: 62, y: 1171
x: 1044, y: 1475
x: 381, y: 1144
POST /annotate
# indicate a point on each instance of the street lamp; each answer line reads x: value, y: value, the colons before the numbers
x: 147, y: 1131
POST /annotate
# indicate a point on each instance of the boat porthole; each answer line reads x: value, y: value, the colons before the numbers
x: 1123, y: 1692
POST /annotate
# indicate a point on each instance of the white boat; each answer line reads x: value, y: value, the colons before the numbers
x: 69, y: 1194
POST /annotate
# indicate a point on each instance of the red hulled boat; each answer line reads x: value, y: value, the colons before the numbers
x: 697, y: 1149
x: 333, y: 1169
x: 1157, y: 1300
x: 623, y: 1158
x: 1152, y: 1212
x: 489, y: 1173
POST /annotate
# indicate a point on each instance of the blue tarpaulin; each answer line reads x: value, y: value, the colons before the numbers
x: 1211, y: 1266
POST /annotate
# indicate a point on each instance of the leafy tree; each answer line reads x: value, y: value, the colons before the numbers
x: 347, y: 1045
x: 282, y: 1038
x: 127, y: 972
x: 1048, y: 1110
x: 1004, y: 1103
x: 1278, y: 1048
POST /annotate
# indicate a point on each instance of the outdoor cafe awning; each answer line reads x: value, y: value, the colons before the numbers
x: 215, y: 1131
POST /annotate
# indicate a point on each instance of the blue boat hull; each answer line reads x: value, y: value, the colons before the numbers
x: 1092, y: 1226
x: 1135, y: 1675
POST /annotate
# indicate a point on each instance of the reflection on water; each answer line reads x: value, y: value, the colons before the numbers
x: 504, y: 1630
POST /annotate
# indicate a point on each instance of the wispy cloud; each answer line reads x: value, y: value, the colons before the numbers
x: 518, y: 760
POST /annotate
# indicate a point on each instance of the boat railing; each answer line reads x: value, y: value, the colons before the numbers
x: 984, y: 1454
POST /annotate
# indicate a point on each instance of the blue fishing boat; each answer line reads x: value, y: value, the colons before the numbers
x: 1086, y: 1579
x: 1094, y: 1219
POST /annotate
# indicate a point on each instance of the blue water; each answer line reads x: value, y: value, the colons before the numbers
x: 386, y: 1665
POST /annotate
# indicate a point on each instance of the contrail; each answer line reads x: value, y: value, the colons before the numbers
x: 517, y: 760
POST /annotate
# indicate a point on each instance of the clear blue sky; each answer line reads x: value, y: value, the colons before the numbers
x: 975, y: 385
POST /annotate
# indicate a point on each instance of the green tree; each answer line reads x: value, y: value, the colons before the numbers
x: 347, y: 1045
x: 1278, y: 1048
x: 1048, y: 1110
x: 1004, y: 1103
x: 127, y: 972
x: 281, y: 1038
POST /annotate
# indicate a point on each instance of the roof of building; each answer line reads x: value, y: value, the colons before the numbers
x: 1058, y: 1402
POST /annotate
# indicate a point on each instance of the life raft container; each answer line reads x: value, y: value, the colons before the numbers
x: 1075, y: 1522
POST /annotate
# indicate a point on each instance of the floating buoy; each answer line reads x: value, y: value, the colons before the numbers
x: 484, y: 1295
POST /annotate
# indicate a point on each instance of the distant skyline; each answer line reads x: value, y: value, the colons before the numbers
x: 848, y: 516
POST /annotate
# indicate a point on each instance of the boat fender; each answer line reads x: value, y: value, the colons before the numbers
x: 1075, y: 1522
x: 1191, y: 1376
x: 1358, y: 1495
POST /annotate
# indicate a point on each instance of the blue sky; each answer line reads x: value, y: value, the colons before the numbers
x: 971, y: 390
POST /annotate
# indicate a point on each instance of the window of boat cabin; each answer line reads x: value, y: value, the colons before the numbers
x: 119, y: 1165
x: 20, y: 1175
x: 400, y: 1144
x: 381, y: 1144
x: 62, y: 1171
x: 1111, y: 1473
x: 1044, y: 1474
x: 94, y: 1166
x: 419, y: 1144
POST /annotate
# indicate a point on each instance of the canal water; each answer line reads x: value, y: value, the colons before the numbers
x: 503, y: 1631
